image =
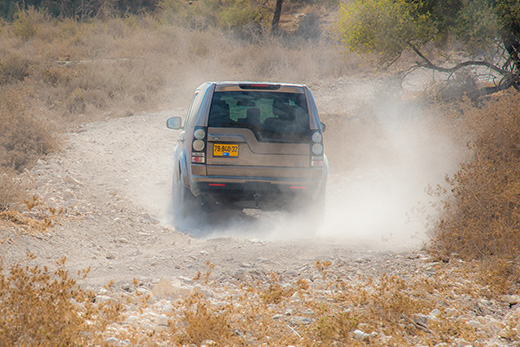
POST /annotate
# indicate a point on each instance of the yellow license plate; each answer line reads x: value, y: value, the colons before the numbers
x: 225, y: 150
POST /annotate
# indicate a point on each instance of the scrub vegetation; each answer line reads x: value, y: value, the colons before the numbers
x: 60, y: 72
x: 488, y: 30
x: 480, y: 214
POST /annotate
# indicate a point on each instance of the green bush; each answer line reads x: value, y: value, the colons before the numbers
x: 26, y: 23
x: 243, y: 13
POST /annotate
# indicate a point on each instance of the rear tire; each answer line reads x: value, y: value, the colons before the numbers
x: 187, y: 209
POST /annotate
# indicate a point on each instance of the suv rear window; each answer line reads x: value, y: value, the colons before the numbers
x: 272, y: 116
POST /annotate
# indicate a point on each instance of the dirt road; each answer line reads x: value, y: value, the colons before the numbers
x: 113, y: 178
x: 113, y: 181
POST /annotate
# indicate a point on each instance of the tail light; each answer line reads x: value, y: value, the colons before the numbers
x: 198, y: 146
x: 317, y: 149
x: 316, y: 161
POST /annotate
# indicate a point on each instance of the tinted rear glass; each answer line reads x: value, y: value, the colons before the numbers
x: 271, y: 116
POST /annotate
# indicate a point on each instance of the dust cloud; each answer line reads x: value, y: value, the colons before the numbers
x: 383, y: 153
x: 381, y: 199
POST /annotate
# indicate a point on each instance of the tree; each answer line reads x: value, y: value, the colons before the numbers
x: 276, y: 16
x: 490, y: 30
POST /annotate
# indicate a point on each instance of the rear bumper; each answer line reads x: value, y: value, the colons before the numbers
x: 268, y: 189
x: 240, y: 184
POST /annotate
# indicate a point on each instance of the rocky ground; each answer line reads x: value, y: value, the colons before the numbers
x: 112, y: 180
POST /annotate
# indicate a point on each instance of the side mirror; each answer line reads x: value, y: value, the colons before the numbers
x: 323, y: 127
x: 174, y: 123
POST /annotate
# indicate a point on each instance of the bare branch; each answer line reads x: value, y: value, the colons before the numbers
x: 429, y: 65
x: 490, y: 90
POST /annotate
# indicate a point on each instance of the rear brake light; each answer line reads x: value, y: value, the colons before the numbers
x: 198, y: 157
x: 216, y: 185
x: 316, y: 161
x: 259, y: 86
x: 298, y: 187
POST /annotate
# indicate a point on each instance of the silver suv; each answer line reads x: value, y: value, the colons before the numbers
x: 249, y: 145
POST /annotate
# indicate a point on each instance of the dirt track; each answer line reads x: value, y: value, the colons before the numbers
x: 113, y: 179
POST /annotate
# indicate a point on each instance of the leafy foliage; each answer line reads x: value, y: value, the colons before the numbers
x: 385, y: 27
x: 242, y: 13
x: 391, y: 27
x: 477, y: 25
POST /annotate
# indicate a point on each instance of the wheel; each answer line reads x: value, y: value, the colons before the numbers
x: 187, y: 209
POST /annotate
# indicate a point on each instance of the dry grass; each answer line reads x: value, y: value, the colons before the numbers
x: 336, y: 310
x: 23, y: 139
x: 34, y: 218
x: 45, y: 307
x: 480, y: 216
x: 41, y: 307
x: 141, y: 63
x: 10, y: 191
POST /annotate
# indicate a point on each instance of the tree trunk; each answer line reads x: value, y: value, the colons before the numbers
x: 276, y: 17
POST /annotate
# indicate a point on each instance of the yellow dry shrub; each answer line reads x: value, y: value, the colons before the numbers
x: 22, y: 137
x: 203, y: 322
x: 480, y: 215
x: 40, y: 307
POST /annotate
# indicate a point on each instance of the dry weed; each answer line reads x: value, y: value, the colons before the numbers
x: 22, y: 138
x: 203, y: 322
x: 480, y: 217
x: 382, y: 311
x: 334, y: 310
x: 40, y: 307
